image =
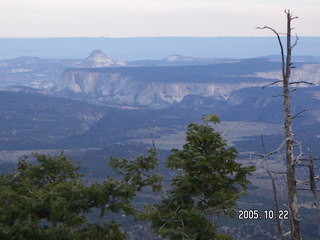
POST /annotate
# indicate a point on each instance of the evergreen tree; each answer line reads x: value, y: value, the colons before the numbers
x: 48, y: 200
x: 208, y: 183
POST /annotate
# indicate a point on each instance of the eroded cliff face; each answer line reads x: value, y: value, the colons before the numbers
x: 116, y: 88
x: 305, y: 72
x: 162, y: 86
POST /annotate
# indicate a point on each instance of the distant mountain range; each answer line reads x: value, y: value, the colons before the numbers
x: 130, y: 49
x: 160, y: 86
x: 38, y: 121
x: 63, y: 103
x: 96, y: 106
x: 146, y: 83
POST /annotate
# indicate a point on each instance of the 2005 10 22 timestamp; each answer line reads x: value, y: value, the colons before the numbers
x: 251, y: 214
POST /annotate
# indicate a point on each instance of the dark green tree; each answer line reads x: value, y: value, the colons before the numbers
x: 48, y: 199
x: 208, y: 183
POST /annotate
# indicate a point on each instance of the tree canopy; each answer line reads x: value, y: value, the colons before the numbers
x: 48, y: 198
x: 208, y: 183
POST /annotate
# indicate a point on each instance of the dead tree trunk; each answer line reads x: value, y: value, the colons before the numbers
x: 290, y: 161
x: 312, y: 182
x: 276, y: 205
x: 291, y: 179
x: 313, y: 188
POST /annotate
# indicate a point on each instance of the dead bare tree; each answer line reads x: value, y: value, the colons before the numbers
x: 313, y: 187
x: 312, y: 182
x: 289, y: 143
x: 276, y: 205
x: 264, y: 156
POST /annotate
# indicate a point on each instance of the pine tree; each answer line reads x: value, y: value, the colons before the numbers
x: 47, y: 199
x: 208, y: 183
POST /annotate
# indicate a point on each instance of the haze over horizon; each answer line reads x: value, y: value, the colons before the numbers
x: 130, y: 49
x: 150, y: 18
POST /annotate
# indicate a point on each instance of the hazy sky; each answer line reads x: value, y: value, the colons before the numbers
x: 140, y: 18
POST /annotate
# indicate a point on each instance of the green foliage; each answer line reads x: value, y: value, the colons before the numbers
x: 210, y: 118
x: 138, y: 172
x: 208, y: 183
x: 48, y: 200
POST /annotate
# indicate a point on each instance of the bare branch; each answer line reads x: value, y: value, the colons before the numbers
x: 270, y: 84
x: 313, y: 186
x: 314, y: 159
x: 280, y: 95
x: 287, y: 234
x: 280, y: 44
x: 218, y: 208
x: 265, y: 155
x: 301, y: 165
x: 263, y: 146
x: 276, y: 205
x: 273, y: 152
x: 297, y: 160
x: 278, y: 172
x: 298, y: 114
x: 306, y: 189
x: 299, y: 82
x: 287, y: 11
x: 295, y: 42
x: 169, y: 220
x: 12, y: 179
x: 292, y: 90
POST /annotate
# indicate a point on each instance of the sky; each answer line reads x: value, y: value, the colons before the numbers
x: 150, y: 18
